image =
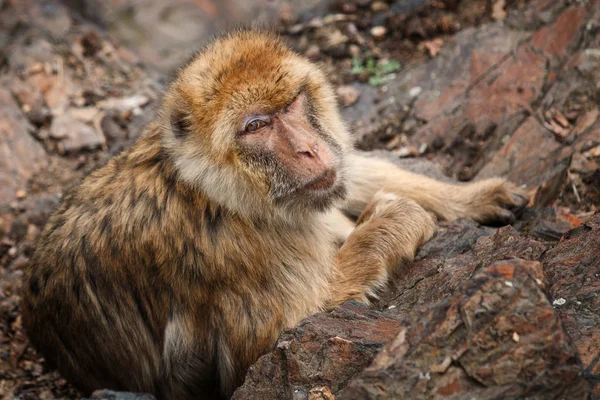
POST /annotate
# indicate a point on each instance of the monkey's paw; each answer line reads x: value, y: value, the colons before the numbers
x: 411, y: 221
x: 494, y: 201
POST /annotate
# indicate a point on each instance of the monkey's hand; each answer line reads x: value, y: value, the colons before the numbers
x: 492, y: 201
x: 401, y: 223
x: 388, y: 234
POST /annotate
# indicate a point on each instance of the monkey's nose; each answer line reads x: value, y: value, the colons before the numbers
x: 306, y: 154
x: 311, y: 152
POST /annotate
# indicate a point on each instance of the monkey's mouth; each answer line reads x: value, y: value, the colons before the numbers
x: 322, y: 182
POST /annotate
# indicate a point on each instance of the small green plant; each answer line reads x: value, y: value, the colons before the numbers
x: 379, y: 73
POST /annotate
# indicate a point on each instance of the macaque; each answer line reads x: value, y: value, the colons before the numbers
x: 174, y: 267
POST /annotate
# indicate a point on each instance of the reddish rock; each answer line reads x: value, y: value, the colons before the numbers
x: 524, y: 159
x: 497, y: 338
x: 444, y: 86
x: 572, y: 272
x: 469, y: 109
x: 506, y: 90
x: 555, y: 39
x: 325, y: 350
x: 442, y: 266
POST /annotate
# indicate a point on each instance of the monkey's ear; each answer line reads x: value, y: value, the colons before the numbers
x: 180, y: 124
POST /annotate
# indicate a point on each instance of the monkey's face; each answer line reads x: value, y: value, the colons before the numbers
x: 300, y: 162
x: 259, y: 126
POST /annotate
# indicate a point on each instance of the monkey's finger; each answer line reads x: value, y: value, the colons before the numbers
x: 496, y: 216
x: 519, y: 202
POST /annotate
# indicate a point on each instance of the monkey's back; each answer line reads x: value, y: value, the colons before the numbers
x: 130, y: 252
x: 86, y: 305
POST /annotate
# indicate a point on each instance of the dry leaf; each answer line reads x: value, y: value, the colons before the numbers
x: 555, y: 121
x: 433, y: 46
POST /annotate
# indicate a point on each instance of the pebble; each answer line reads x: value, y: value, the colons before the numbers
x: 354, y: 50
x: 21, y: 194
x: 12, y: 251
x: 347, y: 95
x: 312, y: 51
x: 407, y: 151
x: 378, y: 32
x: 559, y: 302
x: 379, y: 6
x: 415, y: 91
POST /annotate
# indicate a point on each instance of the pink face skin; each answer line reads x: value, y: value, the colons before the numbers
x: 299, y: 148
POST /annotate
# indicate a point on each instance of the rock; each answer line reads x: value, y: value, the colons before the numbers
x: 362, y: 116
x: 320, y: 393
x: 32, y: 103
x: 332, y: 41
x: 326, y: 349
x: 572, y: 271
x: 161, y: 33
x: 497, y: 338
x: 407, y: 151
x: 347, y: 95
x: 134, y: 102
x: 20, y: 155
x: 546, y: 223
x: 354, y: 50
x: 75, y: 135
x: 379, y: 6
x: 445, y: 264
x: 378, y: 32
x: 498, y: 79
x: 111, y: 395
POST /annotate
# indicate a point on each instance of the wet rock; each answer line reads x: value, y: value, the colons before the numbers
x: 497, y: 338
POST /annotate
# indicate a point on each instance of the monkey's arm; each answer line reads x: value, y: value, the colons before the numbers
x: 487, y: 201
x: 388, y: 233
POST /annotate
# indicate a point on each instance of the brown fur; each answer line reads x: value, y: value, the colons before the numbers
x: 172, y: 269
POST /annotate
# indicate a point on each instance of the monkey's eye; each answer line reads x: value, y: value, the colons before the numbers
x: 255, y: 125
